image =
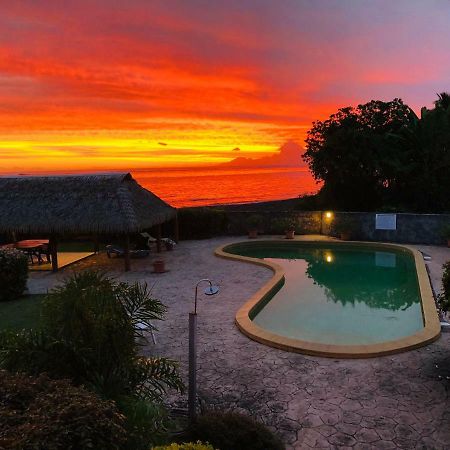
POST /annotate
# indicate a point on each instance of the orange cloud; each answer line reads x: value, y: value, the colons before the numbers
x: 100, y: 84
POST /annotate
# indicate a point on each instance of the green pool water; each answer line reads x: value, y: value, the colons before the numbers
x: 340, y: 294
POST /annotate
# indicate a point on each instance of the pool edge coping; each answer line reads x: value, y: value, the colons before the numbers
x: 428, y: 334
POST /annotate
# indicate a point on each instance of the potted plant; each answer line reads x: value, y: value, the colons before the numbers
x: 159, y: 266
x: 345, y: 227
x: 288, y: 226
x: 446, y: 234
x: 253, y: 223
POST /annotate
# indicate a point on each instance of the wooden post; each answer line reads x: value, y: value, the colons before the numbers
x: 53, y: 244
x: 96, y: 244
x: 127, y: 253
x: 176, y: 231
x: 158, y: 238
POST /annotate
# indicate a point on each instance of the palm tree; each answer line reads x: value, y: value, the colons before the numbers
x: 443, y: 100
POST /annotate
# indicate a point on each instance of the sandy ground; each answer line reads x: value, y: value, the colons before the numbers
x: 398, y: 401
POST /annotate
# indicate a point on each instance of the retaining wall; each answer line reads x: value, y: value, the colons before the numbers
x: 411, y: 228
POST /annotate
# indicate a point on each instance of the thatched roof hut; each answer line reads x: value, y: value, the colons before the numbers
x: 83, y: 204
x: 91, y: 204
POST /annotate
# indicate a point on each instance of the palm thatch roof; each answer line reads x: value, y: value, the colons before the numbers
x: 95, y: 203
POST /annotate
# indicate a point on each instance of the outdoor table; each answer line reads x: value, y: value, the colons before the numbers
x: 34, y: 247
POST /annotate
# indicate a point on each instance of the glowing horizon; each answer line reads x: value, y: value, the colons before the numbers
x: 90, y: 86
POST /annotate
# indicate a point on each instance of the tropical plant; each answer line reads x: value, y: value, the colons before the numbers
x: 146, y: 422
x: 40, y: 413
x: 90, y: 332
x: 352, y: 152
x: 381, y: 154
x: 444, y: 297
x: 233, y: 431
x: 13, y: 273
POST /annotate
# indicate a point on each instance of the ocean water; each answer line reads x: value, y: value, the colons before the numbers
x: 198, y: 187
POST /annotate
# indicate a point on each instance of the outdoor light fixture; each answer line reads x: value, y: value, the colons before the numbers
x: 326, y: 217
x: 192, y: 391
x: 328, y: 257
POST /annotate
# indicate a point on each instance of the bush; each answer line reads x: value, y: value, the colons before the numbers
x: 444, y: 298
x: 146, y: 422
x: 39, y: 413
x: 232, y: 431
x: 202, y: 223
x: 91, y: 326
x: 13, y: 273
x: 186, y: 446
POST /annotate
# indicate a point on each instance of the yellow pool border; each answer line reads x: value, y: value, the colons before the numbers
x: 428, y: 334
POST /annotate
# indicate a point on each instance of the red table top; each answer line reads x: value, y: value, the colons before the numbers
x: 31, y: 243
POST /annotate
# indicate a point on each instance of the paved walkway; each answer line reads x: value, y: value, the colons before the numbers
x: 398, y: 401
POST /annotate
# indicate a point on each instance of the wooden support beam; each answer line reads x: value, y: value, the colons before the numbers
x: 96, y: 244
x: 53, y: 244
x: 176, y: 230
x: 127, y: 253
x: 158, y: 238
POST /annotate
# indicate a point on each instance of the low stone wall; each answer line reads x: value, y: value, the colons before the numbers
x: 411, y: 228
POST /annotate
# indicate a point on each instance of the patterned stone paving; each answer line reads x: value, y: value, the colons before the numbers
x: 398, y: 401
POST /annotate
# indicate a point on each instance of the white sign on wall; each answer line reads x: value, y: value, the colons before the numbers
x: 386, y: 221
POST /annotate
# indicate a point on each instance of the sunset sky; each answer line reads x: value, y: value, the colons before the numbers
x: 145, y: 83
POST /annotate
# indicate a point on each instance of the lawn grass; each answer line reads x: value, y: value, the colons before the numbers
x: 21, y: 313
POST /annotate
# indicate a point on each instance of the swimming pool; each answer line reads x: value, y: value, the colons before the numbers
x: 338, y: 299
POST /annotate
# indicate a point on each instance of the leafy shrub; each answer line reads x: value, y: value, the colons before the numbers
x: 146, y: 422
x: 232, y: 431
x: 444, y: 298
x: 186, y: 446
x: 39, y: 413
x: 202, y: 223
x: 13, y: 273
x: 91, y: 326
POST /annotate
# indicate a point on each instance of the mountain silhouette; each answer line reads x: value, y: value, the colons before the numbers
x: 289, y: 155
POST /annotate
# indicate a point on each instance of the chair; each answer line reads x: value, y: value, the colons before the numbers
x: 169, y: 243
x: 120, y: 252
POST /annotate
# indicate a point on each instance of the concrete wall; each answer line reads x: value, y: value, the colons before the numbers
x: 411, y: 228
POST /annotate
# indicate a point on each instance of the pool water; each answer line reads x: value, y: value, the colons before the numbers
x: 341, y: 294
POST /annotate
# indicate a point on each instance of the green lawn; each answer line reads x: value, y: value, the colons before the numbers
x: 21, y: 313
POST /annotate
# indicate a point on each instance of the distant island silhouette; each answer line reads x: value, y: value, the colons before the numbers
x: 289, y: 155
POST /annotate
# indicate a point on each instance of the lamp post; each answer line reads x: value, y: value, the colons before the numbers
x: 192, y: 390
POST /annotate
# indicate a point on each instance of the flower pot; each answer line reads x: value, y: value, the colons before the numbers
x: 252, y: 234
x: 159, y: 266
x: 290, y: 234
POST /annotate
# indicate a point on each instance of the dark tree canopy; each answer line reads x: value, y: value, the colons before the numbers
x: 381, y: 155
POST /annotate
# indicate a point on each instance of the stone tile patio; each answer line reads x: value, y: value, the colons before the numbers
x: 398, y: 401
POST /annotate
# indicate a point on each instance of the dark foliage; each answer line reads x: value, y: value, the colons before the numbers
x: 444, y: 298
x: 232, y: 431
x: 44, y: 414
x: 381, y: 155
x: 90, y: 330
x: 202, y: 223
x: 13, y: 273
